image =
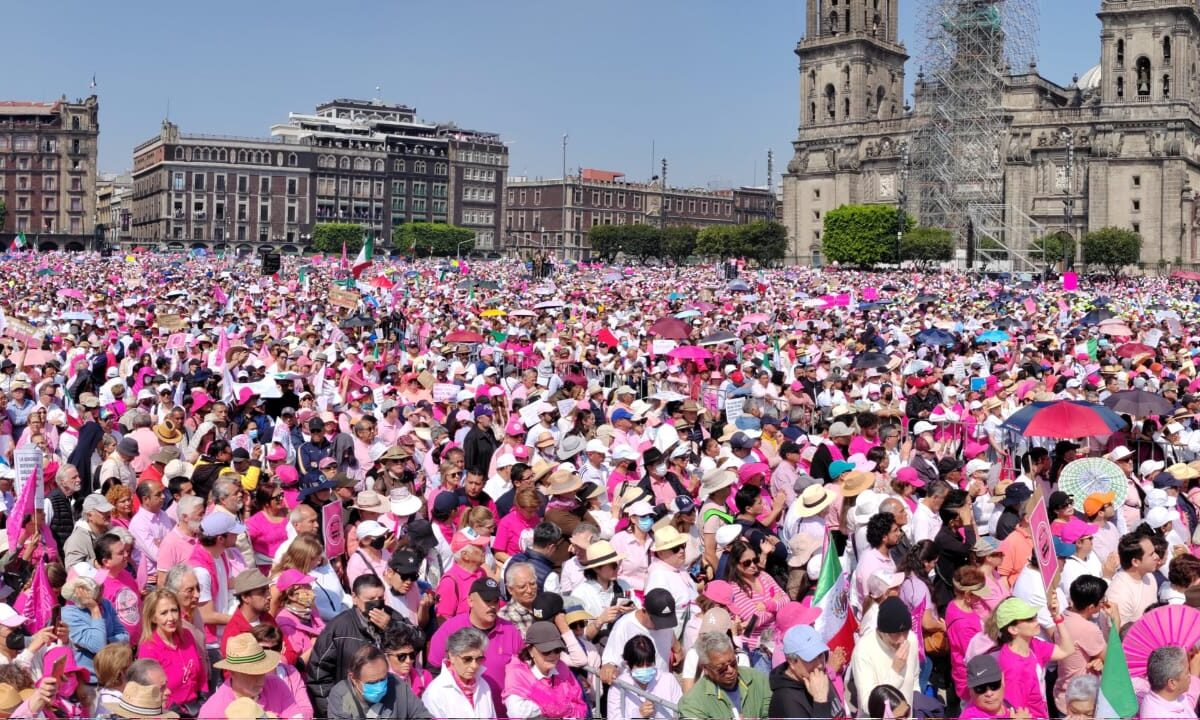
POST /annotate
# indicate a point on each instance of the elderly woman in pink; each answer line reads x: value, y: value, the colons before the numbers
x: 297, y: 619
x: 633, y: 543
x: 525, y: 515
x: 964, y: 620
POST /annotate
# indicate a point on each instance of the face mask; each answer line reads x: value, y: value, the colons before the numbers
x: 252, y: 433
x: 370, y: 605
x: 16, y: 639
x: 645, y: 523
x: 644, y: 675
x: 374, y: 692
x: 660, y: 469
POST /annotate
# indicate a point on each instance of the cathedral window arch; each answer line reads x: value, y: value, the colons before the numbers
x: 1166, y: 85
x: 831, y: 102
x: 1166, y: 47
x: 1120, y: 87
x: 1143, y: 76
x: 1120, y: 53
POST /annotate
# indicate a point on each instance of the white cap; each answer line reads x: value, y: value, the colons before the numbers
x: 369, y: 528
x: 726, y: 534
x: 975, y: 466
x: 596, y: 446
x: 1149, y: 467
x: 10, y: 618
x: 1119, y: 453
x: 1157, y: 517
x: 976, y: 405
x: 1073, y: 383
x: 1173, y: 428
x: 923, y: 427
x: 506, y: 460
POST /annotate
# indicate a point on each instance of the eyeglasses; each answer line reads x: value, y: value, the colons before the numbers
x: 724, y: 666
x: 988, y: 687
x: 555, y: 651
x: 748, y: 563
x: 470, y: 659
x: 277, y: 497
x: 404, y: 656
x: 677, y: 549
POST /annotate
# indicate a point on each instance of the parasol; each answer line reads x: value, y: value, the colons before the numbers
x: 1139, y: 403
x: 1085, y: 476
x: 754, y: 318
x: 1133, y: 349
x: 522, y: 313
x: 463, y: 336
x: 738, y: 285
x: 548, y: 305
x: 1177, y: 625
x: 492, y: 312
x: 935, y: 336
x: 718, y: 338
x: 868, y: 360
x: 670, y: 328
x: 544, y: 291
x: 1096, y: 317
x: 926, y: 298
x: 689, y: 352
x: 992, y: 336
x: 687, y: 314
x: 1064, y: 419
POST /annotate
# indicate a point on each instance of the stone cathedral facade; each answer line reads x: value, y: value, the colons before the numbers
x: 1133, y: 121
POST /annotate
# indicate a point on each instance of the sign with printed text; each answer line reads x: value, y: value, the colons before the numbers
x: 1043, y: 541
x: 662, y: 347
x: 170, y: 321
x: 445, y: 392
x: 27, y: 460
x: 734, y: 409
x: 343, y: 298
x: 334, y: 530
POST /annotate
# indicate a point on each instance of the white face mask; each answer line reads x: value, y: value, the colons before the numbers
x: 660, y: 469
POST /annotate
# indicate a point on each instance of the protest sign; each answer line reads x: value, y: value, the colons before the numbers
x: 343, y: 299
x: 444, y: 392
x: 170, y: 321
x: 1043, y: 541
x: 27, y: 460
x: 334, y: 532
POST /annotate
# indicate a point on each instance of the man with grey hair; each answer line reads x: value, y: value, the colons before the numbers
x: 58, y: 505
x: 899, y: 512
x: 926, y: 521
x: 520, y: 578
x: 179, y: 543
x: 146, y: 671
x: 1167, y: 672
x: 444, y: 697
x: 97, y: 517
x: 1081, y: 694
x: 301, y: 520
x: 725, y: 691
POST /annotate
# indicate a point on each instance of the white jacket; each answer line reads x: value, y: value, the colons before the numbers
x: 444, y: 699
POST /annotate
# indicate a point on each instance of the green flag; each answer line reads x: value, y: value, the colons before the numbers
x: 1117, y: 699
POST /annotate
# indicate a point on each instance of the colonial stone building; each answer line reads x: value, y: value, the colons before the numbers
x: 1130, y: 124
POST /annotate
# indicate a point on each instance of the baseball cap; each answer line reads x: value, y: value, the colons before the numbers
x: 462, y: 540
x: 1096, y: 501
x: 982, y: 670
x: 486, y: 588
x: 660, y: 605
x: 220, y: 523
x: 369, y: 528
x: 9, y: 617
x: 621, y: 414
x: 97, y: 502
x: 1012, y: 610
x: 404, y: 562
x: 923, y: 427
x: 804, y: 642
x: 1075, y: 529
x: 547, y: 605
x: 544, y: 636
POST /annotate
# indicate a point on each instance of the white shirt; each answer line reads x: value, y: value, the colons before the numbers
x: 593, y: 598
x: 221, y: 599
x: 680, y: 585
x: 628, y: 626
x: 1073, y: 567
x: 925, y: 524
x: 1029, y: 588
x: 444, y: 699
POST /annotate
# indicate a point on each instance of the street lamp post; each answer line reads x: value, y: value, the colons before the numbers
x: 901, y: 198
x: 458, y: 248
x: 1069, y: 202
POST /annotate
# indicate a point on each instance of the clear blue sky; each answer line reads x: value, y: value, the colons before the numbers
x: 712, y: 82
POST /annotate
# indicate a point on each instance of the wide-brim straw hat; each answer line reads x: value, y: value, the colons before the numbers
x: 244, y: 655
x: 813, y: 500
x: 601, y: 553
x: 667, y: 537
x: 140, y: 701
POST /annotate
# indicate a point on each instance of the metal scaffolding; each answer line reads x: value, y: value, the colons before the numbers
x: 967, y: 50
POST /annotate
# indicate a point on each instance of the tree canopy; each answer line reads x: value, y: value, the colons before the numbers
x: 862, y: 235
x: 439, y: 239
x: 1112, y: 248
x: 328, y: 237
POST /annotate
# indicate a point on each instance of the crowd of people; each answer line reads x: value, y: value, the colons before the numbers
x: 442, y: 489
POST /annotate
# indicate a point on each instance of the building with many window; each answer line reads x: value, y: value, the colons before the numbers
x: 351, y: 161
x: 554, y: 215
x: 113, y: 207
x: 48, y: 171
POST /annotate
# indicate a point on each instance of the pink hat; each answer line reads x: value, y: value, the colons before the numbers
x: 719, y: 591
x: 749, y: 470
x: 200, y: 400
x: 514, y: 427
x: 908, y: 475
x: 287, y: 475
x: 521, y: 452
x: 292, y: 577
x: 462, y: 540
x: 1074, y: 529
x: 276, y: 453
x: 244, y: 395
x: 796, y: 613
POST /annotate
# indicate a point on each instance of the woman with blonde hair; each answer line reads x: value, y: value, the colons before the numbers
x: 111, y: 663
x: 121, y: 499
x: 307, y: 556
x: 165, y: 639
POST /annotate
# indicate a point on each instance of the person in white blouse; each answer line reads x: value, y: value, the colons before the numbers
x: 668, y: 570
x: 640, y: 671
x: 444, y: 697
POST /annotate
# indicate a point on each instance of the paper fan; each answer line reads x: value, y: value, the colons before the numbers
x: 1085, y: 476
x: 1177, y: 625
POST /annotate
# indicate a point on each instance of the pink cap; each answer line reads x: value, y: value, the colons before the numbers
x: 719, y: 591
x: 276, y: 453
x: 796, y: 613
x: 1075, y: 529
x: 287, y: 475
x: 514, y: 427
x: 908, y: 475
x: 749, y: 470
x: 292, y: 577
x: 521, y: 452
x: 462, y: 540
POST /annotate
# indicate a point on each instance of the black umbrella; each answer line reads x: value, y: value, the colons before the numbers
x: 936, y: 336
x: 718, y: 338
x: 870, y: 359
x: 1005, y: 323
x: 926, y: 298
x: 489, y: 285
x: 889, y: 288
x: 357, y: 321
x: 1139, y: 403
x: 1096, y: 317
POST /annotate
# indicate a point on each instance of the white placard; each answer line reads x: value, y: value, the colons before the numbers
x: 662, y: 347
x: 529, y: 414
x: 28, y: 460
x: 733, y: 409
x: 445, y: 392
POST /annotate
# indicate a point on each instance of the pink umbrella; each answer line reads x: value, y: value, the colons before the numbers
x: 689, y: 352
x: 34, y: 357
x: 753, y: 318
x: 71, y: 293
x: 1177, y: 625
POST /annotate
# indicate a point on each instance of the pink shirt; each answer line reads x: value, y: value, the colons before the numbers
x: 1023, y: 676
x: 508, y: 532
x: 961, y: 627
x: 265, y: 536
x: 453, y: 590
x: 745, y: 605
x: 974, y: 712
x: 186, y: 676
x: 175, y: 548
x: 636, y: 563
x: 122, y: 591
x: 276, y: 697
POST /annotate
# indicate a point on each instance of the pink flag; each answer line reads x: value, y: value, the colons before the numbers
x: 1062, y: 305
x: 870, y: 294
x: 1070, y: 281
x: 219, y: 295
x: 21, y: 511
x: 42, y: 605
x: 222, y: 346
x: 1030, y: 306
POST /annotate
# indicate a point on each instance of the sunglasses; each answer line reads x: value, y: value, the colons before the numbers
x: 748, y: 563
x: 408, y: 577
x: 277, y: 497
x: 471, y: 659
x: 987, y: 687
x: 404, y: 656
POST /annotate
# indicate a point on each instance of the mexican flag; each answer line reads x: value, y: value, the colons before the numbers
x: 836, y: 623
x: 363, y: 261
x: 19, y: 241
x: 1117, y: 699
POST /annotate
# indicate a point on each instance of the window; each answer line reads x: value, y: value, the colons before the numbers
x: 1137, y: 206
x: 608, y: 199
x: 23, y: 163
x: 219, y: 180
x: 419, y: 167
x: 1137, y: 227
x: 398, y: 187
x: 398, y: 203
x: 537, y: 198
x: 178, y: 182
x: 816, y: 194
x: 48, y: 164
x: 1167, y: 47
x: 439, y: 206
x: 691, y: 206
x: 1120, y: 87
x: 418, y: 205
x: 243, y: 184
x: 1120, y: 53
x: 398, y: 165
x: 377, y: 189
x: 620, y: 199
x: 50, y: 204
x: 264, y: 212
x: 292, y: 184
x: 77, y: 184
x: 291, y: 211
x: 1137, y: 181
x: 76, y: 204
x: 418, y: 190
x: 48, y: 183
x: 595, y: 198
x: 1143, y: 76
x: 264, y: 185
x: 704, y: 208
x: 439, y: 190
x: 198, y: 181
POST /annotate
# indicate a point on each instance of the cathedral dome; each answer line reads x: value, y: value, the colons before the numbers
x: 1090, y: 80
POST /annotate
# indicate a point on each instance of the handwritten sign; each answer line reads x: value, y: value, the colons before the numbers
x: 343, y: 299
x: 334, y: 530
x: 27, y: 460
x: 170, y: 321
x: 734, y: 409
x: 1043, y: 542
x: 444, y: 392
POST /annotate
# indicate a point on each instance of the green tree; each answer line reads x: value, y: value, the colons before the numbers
x: 439, y: 239
x: 925, y: 246
x: 766, y: 242
x: 1113, y: 248
x: 606, y: 241
x: 862, y: 235
x: 328, y: 237
x: 679, y: 243
x: 1056, y: 247
x: 642, y: 242
x: 717, y: 241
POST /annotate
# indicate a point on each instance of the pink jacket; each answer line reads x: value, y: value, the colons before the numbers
x: 559, y: 696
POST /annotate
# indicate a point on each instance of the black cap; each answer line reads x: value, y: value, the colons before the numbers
x: 651, y: 456
x: 241, y: 454
x: 660, y: 605
x: 1016, y: 494
x: 486, y: 588
x: 316, y: 424
x: 547, y: 605
x: 1165, y: 480
x: 404, y: 562
x: 446, y: 502
x: 948, y: 465
x: 420, y: 535
x: 894, y: 616
x: 982, y: 670
x: 1058, y: 500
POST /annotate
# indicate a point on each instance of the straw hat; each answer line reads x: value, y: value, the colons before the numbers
x: 244, y: 655
x: 541, y: 469
x: 10, y: 699
x: 138, y: 701
x: 667, y: 537
x: 167, y: 433
x: 856, y: 481
x: 247, y: 709
x: 601, y: 553
x: 563, y: 482
x: 813, y: 500
x: 372, y: 501
x: 715, y: 480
